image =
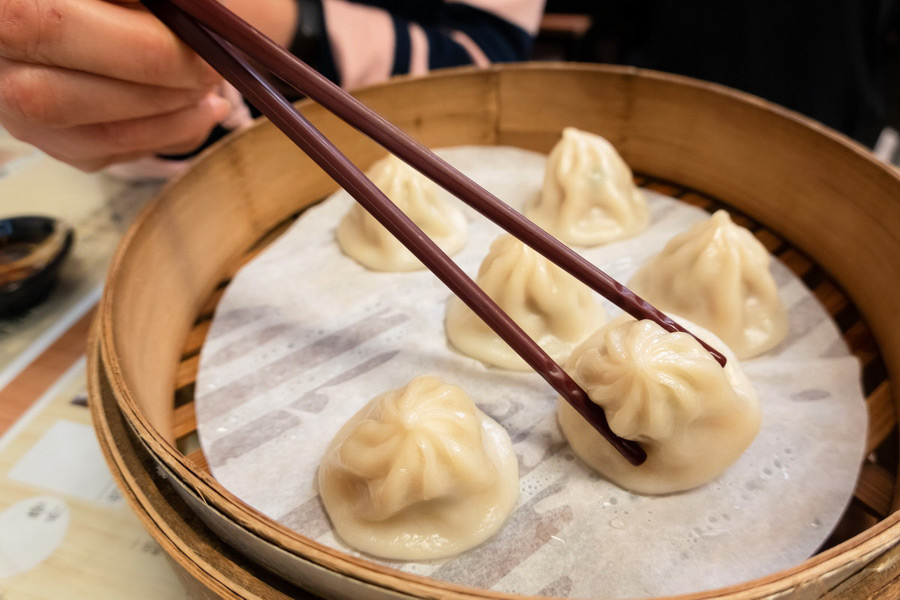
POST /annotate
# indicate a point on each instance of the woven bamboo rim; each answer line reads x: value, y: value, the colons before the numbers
x: 778, y: 168
x: 209, y: 569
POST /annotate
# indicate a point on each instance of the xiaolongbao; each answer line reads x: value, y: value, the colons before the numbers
x: 419, y: 473
x: 589, y: 196
x: 664, y: 390
x: 365, y: 240
x: 716, y: 274
x: 553, y: 307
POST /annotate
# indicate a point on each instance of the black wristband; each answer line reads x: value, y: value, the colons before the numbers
x: 310, y: 30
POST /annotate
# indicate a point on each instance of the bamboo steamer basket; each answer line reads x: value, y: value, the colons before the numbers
x: 805, y: 184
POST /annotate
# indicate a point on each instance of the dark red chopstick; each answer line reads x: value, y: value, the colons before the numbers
x: 307, y: 80
x: 225, y: 59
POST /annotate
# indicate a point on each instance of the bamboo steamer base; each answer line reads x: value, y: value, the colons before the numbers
x: 208, y: 568
x: 776, y: 168
x: 872, y: 497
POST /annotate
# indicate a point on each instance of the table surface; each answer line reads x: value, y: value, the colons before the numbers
x: 65, y: 531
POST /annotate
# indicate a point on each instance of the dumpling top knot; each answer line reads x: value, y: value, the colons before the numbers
x: 692, y: 416
x: 720, y: 243
x: 517, y: 276
x: 549, y: 304
x: 647, y: 380
x: 716, y: 274
x: 419, y: 443
x: 588, y: 196
x: 364, y: 239
x: 419, y: 473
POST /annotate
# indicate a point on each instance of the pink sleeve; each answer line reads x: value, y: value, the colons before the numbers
x: 362, y: 42
x: 369, y: 44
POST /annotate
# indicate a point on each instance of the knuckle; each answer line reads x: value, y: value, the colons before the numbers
x: 162, y: 59
x: 116, y: 137
x: 205, y: 73
x: 154, y: 60
x: 183, y: 130
x: 183, y: 145
x: 195, y: 140
x: 26, y: 96
x: 29, y: 27
x: 87, y: 162
x: 17, y: 25
x: 18, y: 131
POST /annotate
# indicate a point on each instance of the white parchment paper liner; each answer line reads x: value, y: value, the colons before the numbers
x: 304, y: 337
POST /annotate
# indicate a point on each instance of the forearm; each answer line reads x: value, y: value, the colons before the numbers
x: 275, y: 18
x: 369, y: 44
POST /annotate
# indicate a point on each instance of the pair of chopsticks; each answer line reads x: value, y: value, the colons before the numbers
x: 223, y: 40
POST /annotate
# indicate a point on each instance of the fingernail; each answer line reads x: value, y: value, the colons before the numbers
x: 219, y: 106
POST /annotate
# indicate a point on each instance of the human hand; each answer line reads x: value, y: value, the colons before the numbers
x: 92, y: 82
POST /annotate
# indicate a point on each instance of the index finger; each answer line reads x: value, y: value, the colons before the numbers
x: 120, y: 41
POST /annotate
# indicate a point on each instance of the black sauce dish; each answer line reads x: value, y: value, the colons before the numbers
x: 32, y: 249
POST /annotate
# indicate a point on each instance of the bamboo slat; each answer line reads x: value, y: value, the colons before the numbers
x: 787, y: 176
x: 875, y: 488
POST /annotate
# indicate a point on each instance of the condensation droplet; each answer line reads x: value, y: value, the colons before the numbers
x: 617, y: 524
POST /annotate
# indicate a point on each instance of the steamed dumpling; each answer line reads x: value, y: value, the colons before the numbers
x: 589, y: 196
x: 365, y: 240
x: 419, y: 473
x: 553, y: 307
x: 665, y: 391
x: 716, y: 274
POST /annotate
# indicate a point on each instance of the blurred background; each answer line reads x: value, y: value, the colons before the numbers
x: 833, y: 60
x: 836, y: 61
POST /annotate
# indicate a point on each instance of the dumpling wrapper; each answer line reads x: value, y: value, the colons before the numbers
x: 419, y: 473
x: 588, y: 196
x: 272, y: 392
x: 553, y: 307
x: 364, y: 239
x: 716, y: 274
x: 665, y: 391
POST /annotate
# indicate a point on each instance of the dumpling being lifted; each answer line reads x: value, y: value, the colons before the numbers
x: 664, y: 390
x: 365, y: 240
x: 716, y: 274
x: 589, y: 197
x: 419, y: 473
x: 553, y: 307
